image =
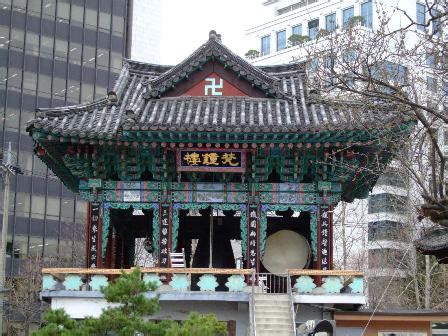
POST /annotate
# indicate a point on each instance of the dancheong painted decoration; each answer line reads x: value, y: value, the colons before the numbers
x: 224, y: 163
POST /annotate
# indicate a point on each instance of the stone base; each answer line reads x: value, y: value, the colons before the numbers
x: 257, y: 289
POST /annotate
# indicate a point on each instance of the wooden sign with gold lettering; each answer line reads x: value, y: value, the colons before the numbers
x: 211, y: 160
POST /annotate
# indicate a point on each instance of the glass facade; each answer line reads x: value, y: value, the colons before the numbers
x: 297, y: 30
x: 281, y: 40
x: 347, y: 14
x: 366, y: 13
x: 265, y: 45
x: 52, y: 53
x: 313, y: 28
x: 330, y: 22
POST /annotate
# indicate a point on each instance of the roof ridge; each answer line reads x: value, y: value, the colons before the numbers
x: 215, y: 50
x: 101, y: 102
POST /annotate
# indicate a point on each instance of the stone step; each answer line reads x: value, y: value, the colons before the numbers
x: 274, y: 320
x: 267, y: 313
x: 274, y: 308
x: 276, y: 327
x: 271, y: 332
x: 271, y: 297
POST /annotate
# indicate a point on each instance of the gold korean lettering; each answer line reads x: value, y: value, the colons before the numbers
x: 210, y: 159
x: 192, y: 159
x: 228, y: 159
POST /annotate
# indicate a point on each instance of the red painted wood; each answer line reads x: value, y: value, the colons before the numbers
x: 217, y: 68
x: 222, y: 88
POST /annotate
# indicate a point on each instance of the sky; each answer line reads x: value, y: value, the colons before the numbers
x: 186, y: 25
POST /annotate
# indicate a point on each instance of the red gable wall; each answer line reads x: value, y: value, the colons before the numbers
x: 202, y: 82
x: 214, y: 85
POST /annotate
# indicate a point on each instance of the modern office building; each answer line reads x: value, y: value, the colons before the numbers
x: 386, y: 221
x: 52, y: 53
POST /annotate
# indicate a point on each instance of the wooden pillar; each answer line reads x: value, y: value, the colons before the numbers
x: 253, y: 237
x: 165, y: 234
x: 94, y: 227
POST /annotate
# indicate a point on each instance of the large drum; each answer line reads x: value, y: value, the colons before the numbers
x: 284, y: 250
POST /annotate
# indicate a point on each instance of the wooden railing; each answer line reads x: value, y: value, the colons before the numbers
x: 329, y: 281
x: 180, y: 279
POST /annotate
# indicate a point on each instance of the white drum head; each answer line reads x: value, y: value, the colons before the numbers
x: 285, y: 249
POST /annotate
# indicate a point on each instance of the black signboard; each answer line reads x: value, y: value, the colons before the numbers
x: 324, y: 241
x: 252, y: 240
x: 94, y: 234
x: 164, y: 235
x: 211, y: 160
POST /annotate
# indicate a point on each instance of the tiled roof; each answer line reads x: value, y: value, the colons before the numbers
x: 433, y: 241
x: 288, y: 107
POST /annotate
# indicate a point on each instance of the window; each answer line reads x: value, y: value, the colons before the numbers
x: 77, y: 13
x: 387, y: 203
x: 377, y: 258
x: 430, y: 60
x: 313, y: 28
x: 347, y: 14
x: 366, y: 13
x: 104, y: 20
x: 395, y: 73
x: 48, y: 7
x: 265, y: 45
x: 281, y: 40
x: 91, y: 17
x: 421, y: 16
x: 63, y: 9
x: 393, y: 178
x: 436, y: 27
x: 30, y: 81
x: 330, y: 22
x: 32, y: 43
x: 297, y: 30
x: 431, y: 83
x: 386, y: 230
x: 118, y: 24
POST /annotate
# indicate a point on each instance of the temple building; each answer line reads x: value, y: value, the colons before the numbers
x: 228, y: 170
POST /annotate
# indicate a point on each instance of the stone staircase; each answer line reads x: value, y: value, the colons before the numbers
x: 273, y: 315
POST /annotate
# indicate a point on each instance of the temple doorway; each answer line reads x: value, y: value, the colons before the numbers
x: 211, y: 239
x: 131, y: 238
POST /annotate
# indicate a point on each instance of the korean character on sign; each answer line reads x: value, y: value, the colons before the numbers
x: 324, y: 251
x: 164, y: 251
x: 253, y: 234
x: 95, y: 218
x: 324, y: 241
x: 94, y: 228
x: 93, y: 248
x: 252, y: 253
x: 93, y: 265
x: 324, y: 214
x: 164, y: 231
x: 324, y: 224
x: 164, y: 241
x: 324, y: 268
x: 324, y: 260
x: 324, y: 233
x: 253, y: 214
x: 253, y: 223
x: 253, y: 243
x: 165, y: 221
x: 164, y: 260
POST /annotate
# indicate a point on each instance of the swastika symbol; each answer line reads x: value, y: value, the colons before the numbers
x: 212, y: 87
